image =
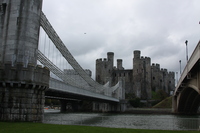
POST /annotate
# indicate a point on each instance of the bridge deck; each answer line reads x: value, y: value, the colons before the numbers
x: 186, y: 72
x: 57, y: 87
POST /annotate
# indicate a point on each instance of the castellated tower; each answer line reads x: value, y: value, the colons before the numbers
x: 119, y: 64
x: 140, y: 80
x: 141, y: 76
x: 104, y: 68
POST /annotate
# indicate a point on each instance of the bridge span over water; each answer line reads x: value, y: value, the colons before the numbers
x: 23, y: 82
x: 186, y: 98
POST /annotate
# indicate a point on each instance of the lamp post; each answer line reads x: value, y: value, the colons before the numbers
x: 176, y: 78
x: 180, y: 66
x: 186, y: 42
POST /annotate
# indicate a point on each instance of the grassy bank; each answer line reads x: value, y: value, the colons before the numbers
x: 6, y: 127
x: 166, y: 103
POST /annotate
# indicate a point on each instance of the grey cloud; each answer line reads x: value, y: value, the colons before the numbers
x: 157, y: 28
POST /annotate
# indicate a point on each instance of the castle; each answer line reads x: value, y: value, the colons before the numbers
x: 141, y: 80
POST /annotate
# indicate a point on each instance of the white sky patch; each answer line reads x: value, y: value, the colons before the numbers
x: 157, y: 28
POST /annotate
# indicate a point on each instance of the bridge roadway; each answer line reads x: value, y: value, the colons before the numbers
x: 186, y: 97
x: 59, y: 89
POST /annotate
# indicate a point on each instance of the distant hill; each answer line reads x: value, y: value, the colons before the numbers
x: 166, y: 103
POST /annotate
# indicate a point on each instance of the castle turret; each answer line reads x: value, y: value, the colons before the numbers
x: 137, y: 73
x: 141, y: 76
x: 104, y: 68
x: 136, y: 54
x: 110, y: 57
x: 119, y: 64
x: 141, y: 80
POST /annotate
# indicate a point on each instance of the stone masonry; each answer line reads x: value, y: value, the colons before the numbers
x: 22, y: 92
x: 22, y: 81
x: 140, y: 80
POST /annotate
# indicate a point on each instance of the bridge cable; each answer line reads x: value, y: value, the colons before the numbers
x: 66, y: 54
x: 54, y: 69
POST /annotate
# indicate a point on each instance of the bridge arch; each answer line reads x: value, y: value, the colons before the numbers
x: 189, y: 100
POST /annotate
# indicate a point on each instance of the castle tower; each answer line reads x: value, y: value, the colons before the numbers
x: 110, y: 57
x: 141, y: 76
x: 147, y: 78
x: 137, y: 73
x: 104, y: 68
x: 119, y: 64
x: 22, y: 82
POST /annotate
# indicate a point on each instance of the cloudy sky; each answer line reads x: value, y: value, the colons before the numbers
x: 158, y: 28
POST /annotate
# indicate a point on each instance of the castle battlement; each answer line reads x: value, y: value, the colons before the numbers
x: 142, y: 71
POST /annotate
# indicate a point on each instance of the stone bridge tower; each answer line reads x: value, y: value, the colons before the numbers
x: 22, y: 81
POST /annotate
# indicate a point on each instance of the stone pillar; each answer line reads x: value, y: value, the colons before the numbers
x: 123, y: 105
x: 22, y: 82
x: 174, y: 104
x: 20, y: 34
x: 22, y: 92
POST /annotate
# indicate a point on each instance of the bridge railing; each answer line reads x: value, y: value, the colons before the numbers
x: 57, y: 85
x: 191, y: 62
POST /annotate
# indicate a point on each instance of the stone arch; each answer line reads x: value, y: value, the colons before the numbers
x: 194, y: 87
x: 189, y: 101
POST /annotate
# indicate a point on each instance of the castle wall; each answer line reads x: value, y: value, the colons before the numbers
x: 140, y: 80
x: 127, y: 76
x: 162, y: 79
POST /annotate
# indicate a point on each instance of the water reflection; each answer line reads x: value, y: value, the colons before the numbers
x: 165, y: 122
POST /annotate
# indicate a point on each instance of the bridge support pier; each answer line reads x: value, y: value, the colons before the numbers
x: 110, y: 107
x: 67, y: 105
x: 174, y: 104
x: 63, y: 104
x: 22, y: 92
x: 123, y: 105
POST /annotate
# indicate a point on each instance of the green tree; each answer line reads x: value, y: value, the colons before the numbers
x: 135, y: 102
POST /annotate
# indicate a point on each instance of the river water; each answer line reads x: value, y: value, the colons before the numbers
x: 135, y: 121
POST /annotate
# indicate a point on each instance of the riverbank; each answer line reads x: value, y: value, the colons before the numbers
x: 25, y: 127
x: 149, y: 111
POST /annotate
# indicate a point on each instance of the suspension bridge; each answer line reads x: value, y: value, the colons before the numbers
x: 24, y: 82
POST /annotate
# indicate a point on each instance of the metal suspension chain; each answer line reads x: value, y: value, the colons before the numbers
x: 66, y: 54
x: 53, y: 68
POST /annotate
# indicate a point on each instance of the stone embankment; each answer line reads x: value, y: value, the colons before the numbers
x: 149, y: 111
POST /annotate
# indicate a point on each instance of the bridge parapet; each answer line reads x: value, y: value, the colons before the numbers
x: 25, y: 75
x: 186, y: 74
x: 186, y: 97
